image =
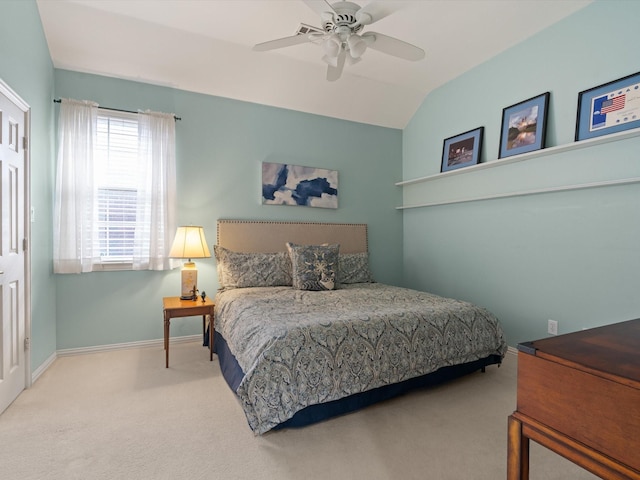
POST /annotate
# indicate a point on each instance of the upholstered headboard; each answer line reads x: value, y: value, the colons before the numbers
x: 263, y: 236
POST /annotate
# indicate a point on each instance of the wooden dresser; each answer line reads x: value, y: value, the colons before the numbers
x: 579, y: 396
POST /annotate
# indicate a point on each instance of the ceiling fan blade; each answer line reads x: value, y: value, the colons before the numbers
x: 282, y: 42
x: 319, y: 6
x: 371, y: 13
x: 393, y: 46
x: 334, y: 73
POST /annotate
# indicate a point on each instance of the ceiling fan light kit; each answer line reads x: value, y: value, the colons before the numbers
x: 341, y: 41
x: 329, y: 60
x: 332, y: 45
x: 356, y: 46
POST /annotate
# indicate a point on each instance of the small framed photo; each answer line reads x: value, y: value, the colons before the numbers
x: 462, y: 150
x: 524, y: 126
x: 609, y: 108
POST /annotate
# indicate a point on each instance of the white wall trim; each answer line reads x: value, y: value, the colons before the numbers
x: 43, y: 367
x: 68, y: 352
x: 522, y: 193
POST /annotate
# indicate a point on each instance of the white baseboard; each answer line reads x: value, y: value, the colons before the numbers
x: 43, y: 367
x: 67, y: 352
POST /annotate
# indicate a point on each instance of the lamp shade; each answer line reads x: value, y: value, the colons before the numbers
x: 189, y: 242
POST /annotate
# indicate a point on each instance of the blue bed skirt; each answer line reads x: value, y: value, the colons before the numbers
x: 233, y: 374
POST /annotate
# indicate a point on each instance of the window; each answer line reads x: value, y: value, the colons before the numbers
x: 115, y: 189
x: 116, y: 178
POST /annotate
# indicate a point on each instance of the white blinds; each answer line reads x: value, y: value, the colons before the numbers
x: 116, y: 171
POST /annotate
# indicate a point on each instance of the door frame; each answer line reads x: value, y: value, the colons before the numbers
x: 7, y: 91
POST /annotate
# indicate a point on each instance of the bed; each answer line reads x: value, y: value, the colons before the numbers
x: 304, y: 333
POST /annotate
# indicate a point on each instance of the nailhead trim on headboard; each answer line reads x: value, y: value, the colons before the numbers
x: 271, y: 236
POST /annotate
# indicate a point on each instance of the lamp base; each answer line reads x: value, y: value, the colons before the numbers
x: 189, y: 281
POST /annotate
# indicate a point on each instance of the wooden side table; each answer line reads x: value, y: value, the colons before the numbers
x: 173, y: 307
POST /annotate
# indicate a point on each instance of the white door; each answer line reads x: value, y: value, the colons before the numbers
x: 13, y: 164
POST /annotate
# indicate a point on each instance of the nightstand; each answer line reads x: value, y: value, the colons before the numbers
x: 173, y: 307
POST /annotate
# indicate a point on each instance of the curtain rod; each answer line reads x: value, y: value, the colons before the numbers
x: 57, y: 100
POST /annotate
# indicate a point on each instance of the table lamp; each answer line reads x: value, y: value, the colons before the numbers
x: 189, y: 243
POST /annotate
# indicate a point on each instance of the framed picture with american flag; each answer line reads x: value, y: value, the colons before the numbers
x: 609, y: 108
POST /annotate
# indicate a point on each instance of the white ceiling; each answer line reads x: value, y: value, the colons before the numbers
x: 205, y: 46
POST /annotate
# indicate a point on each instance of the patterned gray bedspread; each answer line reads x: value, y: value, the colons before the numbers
x: 299, y: 348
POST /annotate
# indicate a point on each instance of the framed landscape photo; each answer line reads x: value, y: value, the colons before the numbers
x: 524, y: 126
x: 609, y: 108
x: 462, y: 150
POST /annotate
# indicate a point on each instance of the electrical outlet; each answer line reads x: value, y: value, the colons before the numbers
x: 552, y: 327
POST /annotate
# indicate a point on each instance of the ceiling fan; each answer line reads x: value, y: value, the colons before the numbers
x: 341, y: 37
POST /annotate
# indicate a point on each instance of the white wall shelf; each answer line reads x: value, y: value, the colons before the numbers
x: 547, y: 152
x: 564, y: 188
x: 527, y: 156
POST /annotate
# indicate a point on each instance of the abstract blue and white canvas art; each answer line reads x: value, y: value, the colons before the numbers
x: 284, y: 184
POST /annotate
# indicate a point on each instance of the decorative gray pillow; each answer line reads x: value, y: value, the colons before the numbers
x: 354, y: 268
x: 242, y: 270
x: 314, y: 266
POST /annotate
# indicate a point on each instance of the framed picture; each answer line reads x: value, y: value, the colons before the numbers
x: 609, y: 108
x: 284, y: 184
x: 462, y: 150
x: 524, y: 126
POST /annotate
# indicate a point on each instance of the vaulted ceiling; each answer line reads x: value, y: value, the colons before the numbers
x: 205, y: 46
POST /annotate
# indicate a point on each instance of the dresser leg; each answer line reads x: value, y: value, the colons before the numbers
x: 517, y: 451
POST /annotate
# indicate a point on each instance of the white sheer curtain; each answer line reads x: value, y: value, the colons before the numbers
x: 157, y: 186
x: 75, y: 213
x: 73, y: 224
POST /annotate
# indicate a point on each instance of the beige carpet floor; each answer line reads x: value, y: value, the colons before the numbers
x: 122, y: 415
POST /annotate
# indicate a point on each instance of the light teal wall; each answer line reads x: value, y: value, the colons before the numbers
x: 25, y: 65
x: 574, y: 256
x: 568, y: 256
x: 220, y: 146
